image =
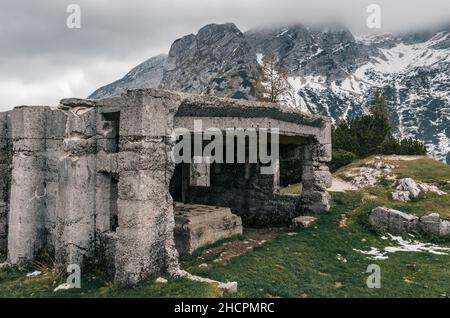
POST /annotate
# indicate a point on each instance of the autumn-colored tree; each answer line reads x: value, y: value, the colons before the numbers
x: 272, y: 84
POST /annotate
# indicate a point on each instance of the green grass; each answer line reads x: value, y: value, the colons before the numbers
x: 96, y: 285
x: 301, y: 265
x: 425, y: 204
x: 423, y: 169
x: 306, y: 265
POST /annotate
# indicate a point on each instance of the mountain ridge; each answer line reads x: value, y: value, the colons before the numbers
x: 332, y: 72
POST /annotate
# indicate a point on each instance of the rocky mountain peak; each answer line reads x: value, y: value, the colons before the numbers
x: 217, y: 61
x: 146, y: 75
x: 332, y: 73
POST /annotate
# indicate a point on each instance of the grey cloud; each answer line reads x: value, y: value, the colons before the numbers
x: 37, y: 47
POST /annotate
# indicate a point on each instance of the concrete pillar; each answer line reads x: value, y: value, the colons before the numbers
x: 145, y: 243
x: 316, y: 178
x: 55, y: 129
x: 26, y: 237
x: 276, y: 175
x: 103, y: 203
x: 77, y: 186
x: 5, y: 180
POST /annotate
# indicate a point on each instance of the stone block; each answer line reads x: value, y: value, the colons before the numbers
x: 143, y: 155
x: 316, y: 180
x: 80, y: 147
x: 315, y: 201
x: 83, y: 125
x: 432, y: 224
x: 143, y: 185
x: 200, y: 225
x: 107, y: 251
x: 29, y: 122
x: 107, y: 162
x: 55, y: 124
x: 394, y: 221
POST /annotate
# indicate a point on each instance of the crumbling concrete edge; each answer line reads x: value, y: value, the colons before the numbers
x: 228, y: 287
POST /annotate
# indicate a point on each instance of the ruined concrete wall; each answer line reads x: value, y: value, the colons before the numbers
x: 5, y: 179
x: 77, y: 184
x: 106, y: 192
x: 36, y: 133
x: 83, y: 186
x: 54, y: 143
x: 145, y: 242
x: 316, y: 178
x: 248, y: 193
x: 253, y: 196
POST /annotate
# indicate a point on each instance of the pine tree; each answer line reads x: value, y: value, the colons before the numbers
x: 272, y: 84
x: 371, y: 134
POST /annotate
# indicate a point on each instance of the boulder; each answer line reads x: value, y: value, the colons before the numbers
x: 444, y: 228
x: 432, y: 224
x: 397, y: 222
x: 161, y: 280
x: 409, y: 185
x: 303, y: 221
x: 401, y: 196
x: 431, y: 188
x: 408, y: 189
x: 393, y: 221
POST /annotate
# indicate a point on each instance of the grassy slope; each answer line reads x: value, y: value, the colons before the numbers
x: 300, y: 265
x: 422, y: 170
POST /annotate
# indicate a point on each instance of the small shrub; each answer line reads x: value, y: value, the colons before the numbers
x: 341, y: 158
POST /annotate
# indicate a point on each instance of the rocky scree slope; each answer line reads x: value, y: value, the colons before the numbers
x: 332, y: 73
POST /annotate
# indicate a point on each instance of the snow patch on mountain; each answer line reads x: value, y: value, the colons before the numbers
x: 331, y: 72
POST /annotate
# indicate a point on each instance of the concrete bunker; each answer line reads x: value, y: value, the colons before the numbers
x: 93, y: 181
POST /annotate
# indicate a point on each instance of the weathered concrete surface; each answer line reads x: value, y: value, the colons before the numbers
x: 90, y: 181
x: 76, y: 203
x: 5, y: 180
x: 198, y: 225
x: 145, y: 242
x: 316, y: 177
x: 27, y: 228
x: 248, y: 194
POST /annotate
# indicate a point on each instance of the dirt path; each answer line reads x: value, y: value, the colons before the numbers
x: 340, y: 185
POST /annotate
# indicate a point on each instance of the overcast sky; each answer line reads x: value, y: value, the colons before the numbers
x: 42, y: 61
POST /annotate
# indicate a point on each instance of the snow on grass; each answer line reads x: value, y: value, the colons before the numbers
x: 34, y: 274
x: 374, y: 253
x: 64, y: 286
x: 403, y: 245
